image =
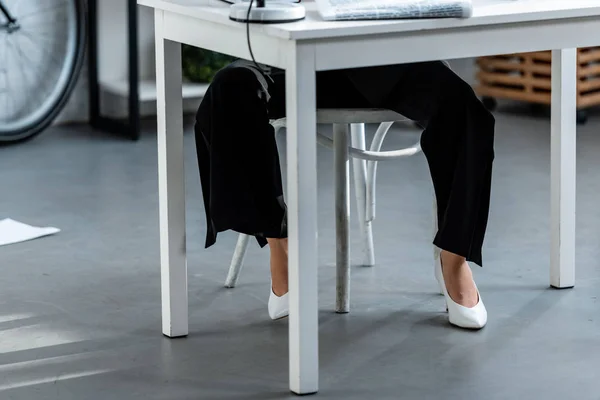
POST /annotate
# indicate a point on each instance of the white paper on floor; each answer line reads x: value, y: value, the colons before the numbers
x: 12, y: 231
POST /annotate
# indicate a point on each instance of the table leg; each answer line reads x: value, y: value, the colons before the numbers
x: 171, y: 187
x: 563, y: 169
x: 302, y: 219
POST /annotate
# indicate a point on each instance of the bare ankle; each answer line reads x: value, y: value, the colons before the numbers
x: 279, y: 266
x: 459, y: 279
x: 452, y: 262
x: 280, y: 290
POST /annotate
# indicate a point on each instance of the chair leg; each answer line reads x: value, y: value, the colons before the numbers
x: 376, y: 144
x: 342, y: 217
x: 237, y: 261
x: 359, y: 168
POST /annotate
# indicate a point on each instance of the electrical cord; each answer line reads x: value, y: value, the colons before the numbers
x: 256, y: 64
x: 265, y: 73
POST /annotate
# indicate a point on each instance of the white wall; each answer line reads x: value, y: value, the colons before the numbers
x: 76, y: 109
x: 112, y: 54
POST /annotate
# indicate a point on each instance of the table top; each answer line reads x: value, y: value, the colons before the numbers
x: 485, y: 12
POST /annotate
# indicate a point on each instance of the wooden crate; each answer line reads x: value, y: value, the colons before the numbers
x: 527, y: 77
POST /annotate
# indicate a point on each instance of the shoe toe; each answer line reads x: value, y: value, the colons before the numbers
x: 468, y: 318
x: 279, y: 306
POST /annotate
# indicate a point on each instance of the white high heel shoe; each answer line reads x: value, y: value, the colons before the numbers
x: 279, y: 306
x: 461, y: 316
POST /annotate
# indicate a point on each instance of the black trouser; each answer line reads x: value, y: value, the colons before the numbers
x: 239, y: 164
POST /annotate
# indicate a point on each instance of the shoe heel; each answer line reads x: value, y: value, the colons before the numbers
x: 437, y: 272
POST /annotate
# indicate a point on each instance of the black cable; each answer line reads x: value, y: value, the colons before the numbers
x: 250, y: 44
x: 266, y: 73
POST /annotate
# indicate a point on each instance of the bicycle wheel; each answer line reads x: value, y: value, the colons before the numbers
x: 42, y: 46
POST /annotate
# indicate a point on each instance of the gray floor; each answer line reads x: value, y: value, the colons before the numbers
x: 80, y: 311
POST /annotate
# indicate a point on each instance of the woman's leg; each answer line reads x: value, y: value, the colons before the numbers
x: 239, y: 163
x: 238, y: 158
x: 458, y: 143
x: 279, y: 265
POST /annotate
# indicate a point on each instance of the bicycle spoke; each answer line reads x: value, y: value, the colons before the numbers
x: 44, y: 49
x: 23, y: 69
x: 42, y: 10
x: 46, y: 24
x: 43, y: 36
x: 4, y: 93
x: 47, y: 16
x: 43, y: 83
x: 9, y: 90
x: 17, y: 54
x: 9, y: 79
x: 29, y: 60
x: 15, y: 6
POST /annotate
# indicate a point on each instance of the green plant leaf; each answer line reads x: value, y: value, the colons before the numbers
x: 200, y: 65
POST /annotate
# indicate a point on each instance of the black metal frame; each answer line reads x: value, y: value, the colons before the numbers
x: 131, y: 126
x: 10, y: 18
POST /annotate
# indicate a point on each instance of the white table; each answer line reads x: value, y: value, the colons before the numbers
x: 497, y: 27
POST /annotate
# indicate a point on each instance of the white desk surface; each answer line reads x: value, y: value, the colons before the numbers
x: 485, y: 12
